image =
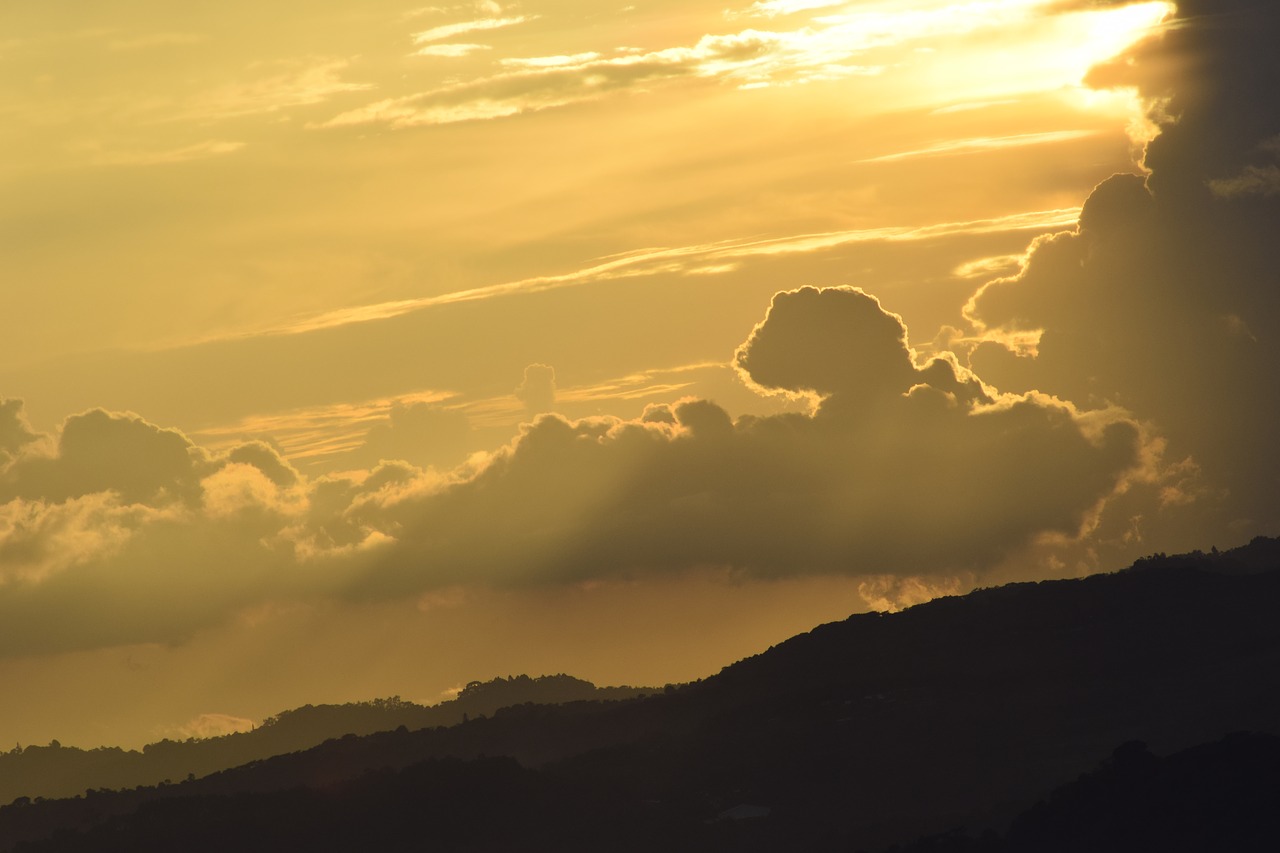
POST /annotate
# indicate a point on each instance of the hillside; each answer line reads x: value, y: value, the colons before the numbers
x: 962, y: 712
x: 60, y: 771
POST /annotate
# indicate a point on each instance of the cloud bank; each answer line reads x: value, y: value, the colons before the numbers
x: 122, y: 531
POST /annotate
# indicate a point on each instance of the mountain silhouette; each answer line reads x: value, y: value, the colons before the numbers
x: 61, y: 771
x: 964, y: 712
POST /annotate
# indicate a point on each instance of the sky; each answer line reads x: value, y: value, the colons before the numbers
x: 357, y: 350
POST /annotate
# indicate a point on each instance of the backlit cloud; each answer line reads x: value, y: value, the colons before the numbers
x: 1163, y: 299
x: 825, y: 47
x: 898, y: 467
x: 538, y: 389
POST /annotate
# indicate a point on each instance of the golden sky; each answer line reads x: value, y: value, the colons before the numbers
x: 364, y: 349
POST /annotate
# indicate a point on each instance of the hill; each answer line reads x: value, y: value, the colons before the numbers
x: 61, y: 771
x: 963, y: 712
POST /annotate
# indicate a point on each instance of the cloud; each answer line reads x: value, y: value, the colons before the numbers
x: 983, y: 143
x: 774, y: 8
x: 267, y: 461
x: 1059, y: 7
x: 826, y: 47
x: 811, y: 342
x: 446, y: 31
x: 41, y: 540
x: 121, y: 531
x: 126, y: 532
x: 543, y: 83
x: 15, y: 432
x: 100, y: 451
x: 211, y: 725
x: 1254, y: 180
x: 1163, y: 298
x: 538, y: 389
x: 899, y: 468
x: 421, y: 433
x: 691, y: 260
x: 889, y: 593
x: 452, y: 50
x: 285, y: 84
x: 182, y: 154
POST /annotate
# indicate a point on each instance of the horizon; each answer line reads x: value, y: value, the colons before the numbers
x: 369, y: 352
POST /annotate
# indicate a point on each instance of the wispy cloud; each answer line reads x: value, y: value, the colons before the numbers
x: 988, y: 267
x: 775, y: 8
x: 154, y: 40
x: 283, y: 85
x: 532, y: 84
x: 183, y: 154
x: 982, y: 143
x: 697, y: 259
x: 307, y: 433
x: 452, y: 50
x: 446, y: 31
x: 483, y: 7
x: 562, y: 61
x: 826, y: 47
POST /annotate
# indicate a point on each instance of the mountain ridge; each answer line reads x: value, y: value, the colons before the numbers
x: 876, y: 729
x: 63, y: 771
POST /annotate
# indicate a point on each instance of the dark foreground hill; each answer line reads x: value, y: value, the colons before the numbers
x: 963, y: 712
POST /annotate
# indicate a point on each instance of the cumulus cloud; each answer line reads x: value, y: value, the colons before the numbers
x: 538, y: 389
x: 120, y: 531
x: 1121, y: 380
x: 1163, y: 299
x: 899, y: 468
x: 812, y: 342
x: 127, y: 532
x: 101, y: 451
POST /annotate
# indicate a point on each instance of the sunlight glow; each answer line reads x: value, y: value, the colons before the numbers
x: 1052, y: 52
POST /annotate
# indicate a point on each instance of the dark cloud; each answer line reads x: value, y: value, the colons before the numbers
x: 1165, y: 299
x: 823, y: 342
